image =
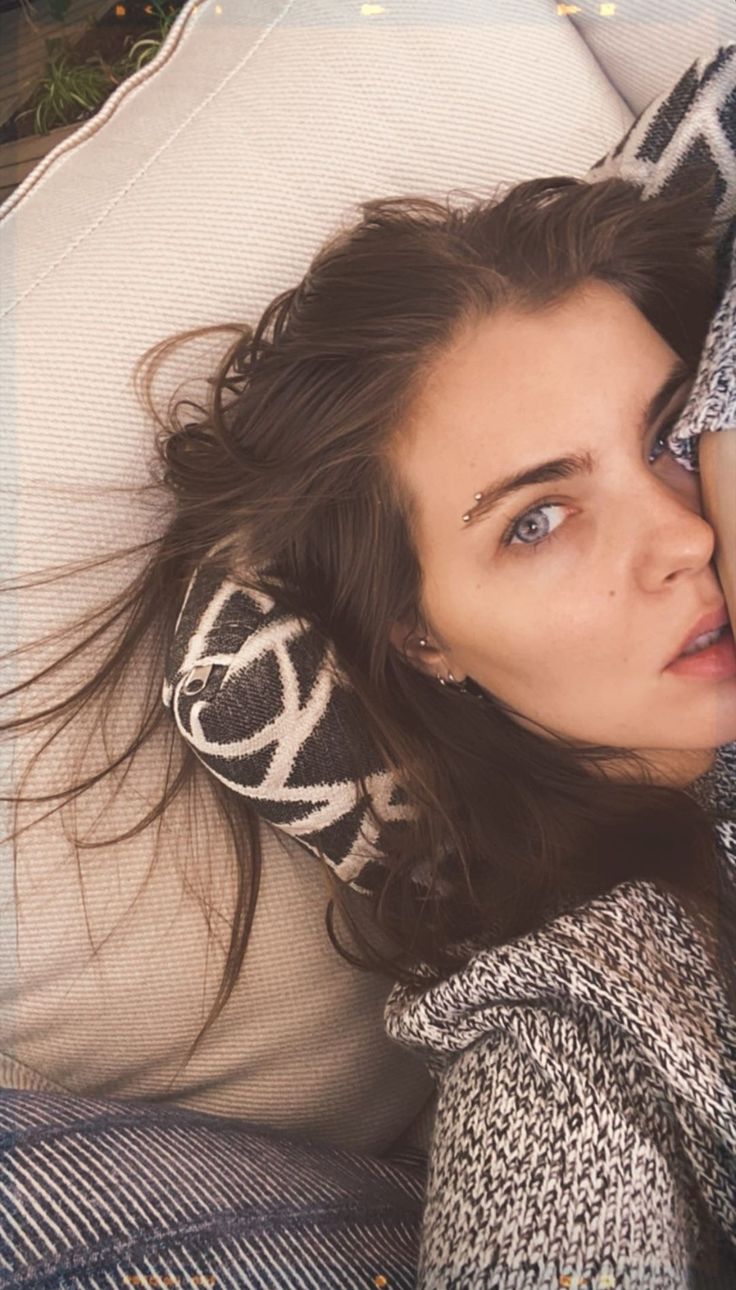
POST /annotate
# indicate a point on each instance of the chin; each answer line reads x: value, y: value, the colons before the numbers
x: 705, y: 721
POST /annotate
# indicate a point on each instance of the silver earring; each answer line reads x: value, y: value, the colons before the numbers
x: 423, y: 641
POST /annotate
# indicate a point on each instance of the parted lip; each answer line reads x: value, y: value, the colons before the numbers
x: 708, y: 623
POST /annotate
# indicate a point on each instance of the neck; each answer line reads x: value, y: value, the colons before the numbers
x: 679, y: 768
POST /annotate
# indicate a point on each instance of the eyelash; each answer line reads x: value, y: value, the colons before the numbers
x: 660, y: 437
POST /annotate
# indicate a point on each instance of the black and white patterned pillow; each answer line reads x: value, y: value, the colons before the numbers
x: 261, y: 698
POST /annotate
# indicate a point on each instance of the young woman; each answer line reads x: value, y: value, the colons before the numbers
x: 449, y: 442
x: 587, y: 1120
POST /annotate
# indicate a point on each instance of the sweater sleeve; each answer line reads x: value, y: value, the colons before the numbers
x: 547, y: 1172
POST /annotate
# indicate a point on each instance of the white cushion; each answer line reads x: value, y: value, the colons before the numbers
x: 200, y: 190
x: 644, y: 46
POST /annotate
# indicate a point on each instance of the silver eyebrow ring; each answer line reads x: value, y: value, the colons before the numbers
x: 476, y: 497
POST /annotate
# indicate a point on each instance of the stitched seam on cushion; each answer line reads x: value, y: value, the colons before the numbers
x: 89, y: 128
x: 144, y: 168
x: 581, y: 33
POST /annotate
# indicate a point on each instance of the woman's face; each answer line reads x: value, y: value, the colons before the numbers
x: 607, y: 572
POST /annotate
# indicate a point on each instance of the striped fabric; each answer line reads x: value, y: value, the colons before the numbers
x: 99, y: 1193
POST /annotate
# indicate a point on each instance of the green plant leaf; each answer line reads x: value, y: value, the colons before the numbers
x: 58, y: 9
x: 68, y: 86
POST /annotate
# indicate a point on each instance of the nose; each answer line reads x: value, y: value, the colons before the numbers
x: 676, y: 537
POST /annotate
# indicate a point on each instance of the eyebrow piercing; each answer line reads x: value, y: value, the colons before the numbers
x: 477, y: 497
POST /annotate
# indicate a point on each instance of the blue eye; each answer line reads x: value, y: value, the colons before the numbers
x: 661, y: 438
x: 660, y: 443
x: 688, y: 459
x: 520, y: 519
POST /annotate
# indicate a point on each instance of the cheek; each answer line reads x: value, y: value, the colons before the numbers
x: 508, y: 634
x: 557, y: 653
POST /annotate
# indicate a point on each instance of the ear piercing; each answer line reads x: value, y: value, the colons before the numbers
x: 441, y: 679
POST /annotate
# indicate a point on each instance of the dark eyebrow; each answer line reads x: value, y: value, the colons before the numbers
x: 575, y: 463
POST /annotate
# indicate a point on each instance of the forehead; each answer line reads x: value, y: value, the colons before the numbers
x: 520, y: 385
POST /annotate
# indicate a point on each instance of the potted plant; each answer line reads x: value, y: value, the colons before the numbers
x: 79, y: 73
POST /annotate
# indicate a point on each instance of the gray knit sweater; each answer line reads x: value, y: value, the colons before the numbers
x: 586, y: 1117
x: 585, y: 1133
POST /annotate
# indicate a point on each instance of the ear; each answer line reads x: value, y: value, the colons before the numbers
x: 425, y: 658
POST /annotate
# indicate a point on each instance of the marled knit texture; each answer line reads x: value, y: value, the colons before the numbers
x: 586, y: 1116
x: 585, y: 1132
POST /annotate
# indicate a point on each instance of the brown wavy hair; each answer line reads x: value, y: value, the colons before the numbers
x: 287, y: 466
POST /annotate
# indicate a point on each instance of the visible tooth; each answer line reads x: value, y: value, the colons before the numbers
x: 702, y: 642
